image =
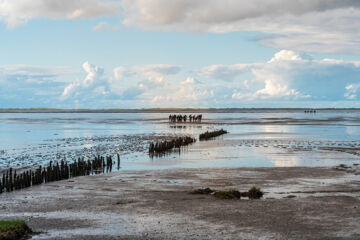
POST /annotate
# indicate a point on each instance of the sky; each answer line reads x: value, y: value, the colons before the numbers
x: 100, y: 54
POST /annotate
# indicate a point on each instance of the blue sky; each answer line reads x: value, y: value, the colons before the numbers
x: 179, y: 53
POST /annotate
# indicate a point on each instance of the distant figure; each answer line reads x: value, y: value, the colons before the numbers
x: 170, y: 118
x: 184, y: 118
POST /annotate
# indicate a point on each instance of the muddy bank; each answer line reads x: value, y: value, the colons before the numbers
x: 299, y: 203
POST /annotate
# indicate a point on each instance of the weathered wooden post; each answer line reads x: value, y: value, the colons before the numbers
x: 7, y: 181
x: 11, y: 180
x: 103, y: 164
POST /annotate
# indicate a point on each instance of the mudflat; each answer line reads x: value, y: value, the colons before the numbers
x: 299, y: 203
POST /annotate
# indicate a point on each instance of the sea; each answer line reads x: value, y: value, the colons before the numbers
x: 255, y: 139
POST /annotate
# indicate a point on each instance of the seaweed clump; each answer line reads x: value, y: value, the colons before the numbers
x: 202, y: 191
x: 255, y: 193
x: 13, y: 229
x: 228, y: 194
x: 252, y: 193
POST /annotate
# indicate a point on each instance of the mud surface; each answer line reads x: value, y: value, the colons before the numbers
x: 299, y: 203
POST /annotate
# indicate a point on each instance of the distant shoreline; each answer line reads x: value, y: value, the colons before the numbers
x: 173, y: 110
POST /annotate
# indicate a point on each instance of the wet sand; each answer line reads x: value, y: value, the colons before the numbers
x: 299, y: 203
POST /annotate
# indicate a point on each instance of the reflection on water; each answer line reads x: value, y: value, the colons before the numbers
x: 255, y: 139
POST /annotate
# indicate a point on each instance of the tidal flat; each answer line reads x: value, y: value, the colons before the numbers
x: 306, y: 164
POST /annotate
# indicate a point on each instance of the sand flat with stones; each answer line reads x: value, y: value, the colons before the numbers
x: 299, y: 203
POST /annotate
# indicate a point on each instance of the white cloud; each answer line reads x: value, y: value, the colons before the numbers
x: 149, y: 71
x: 188, y: 93
x: 94, y: 73
x: 145, y: 77
x: 326, y: 26
x: 323, y: 26
x: 92, y: 85
x: 18, y: 12
x: 351, y: 91
x: 33, y: 74
x: 69, y: 90
x: 102, y: 26
x: 226, y: 72
x: 286, y: 79
x: 292, y: 76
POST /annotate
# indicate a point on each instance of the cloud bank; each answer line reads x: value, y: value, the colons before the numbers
x: 322, y: 26
x: 319, y: 26
x: 288, y: 79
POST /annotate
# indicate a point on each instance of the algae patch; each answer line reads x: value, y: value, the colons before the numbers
x: 13, y: 229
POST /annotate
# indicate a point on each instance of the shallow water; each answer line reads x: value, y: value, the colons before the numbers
x: 261, y: 139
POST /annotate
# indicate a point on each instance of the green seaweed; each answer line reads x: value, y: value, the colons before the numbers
x: 13, y: 229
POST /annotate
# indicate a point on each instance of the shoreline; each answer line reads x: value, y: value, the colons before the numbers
x: 299, y: 202
x: 175, y: 110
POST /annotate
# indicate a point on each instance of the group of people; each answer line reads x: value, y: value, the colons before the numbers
x: 184, y: 118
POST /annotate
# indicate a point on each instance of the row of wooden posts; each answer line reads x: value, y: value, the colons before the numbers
x: 11, y: 181
x: 164, y: 146
x: 208, y: 135
x: 161, y: 147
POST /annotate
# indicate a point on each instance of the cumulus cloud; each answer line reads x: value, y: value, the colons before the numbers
x: 189, y: 93
x: 18, y: 12
x: 287, y: 79
x: 290, y: 75
x: 93, y: 84
x: 147, y: 77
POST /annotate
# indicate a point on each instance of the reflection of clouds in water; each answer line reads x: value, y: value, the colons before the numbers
x: 273, y: 129
x: 186, y: 129
x: 353, y: 131
x: 284, y: 161
x: 88, y: 145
